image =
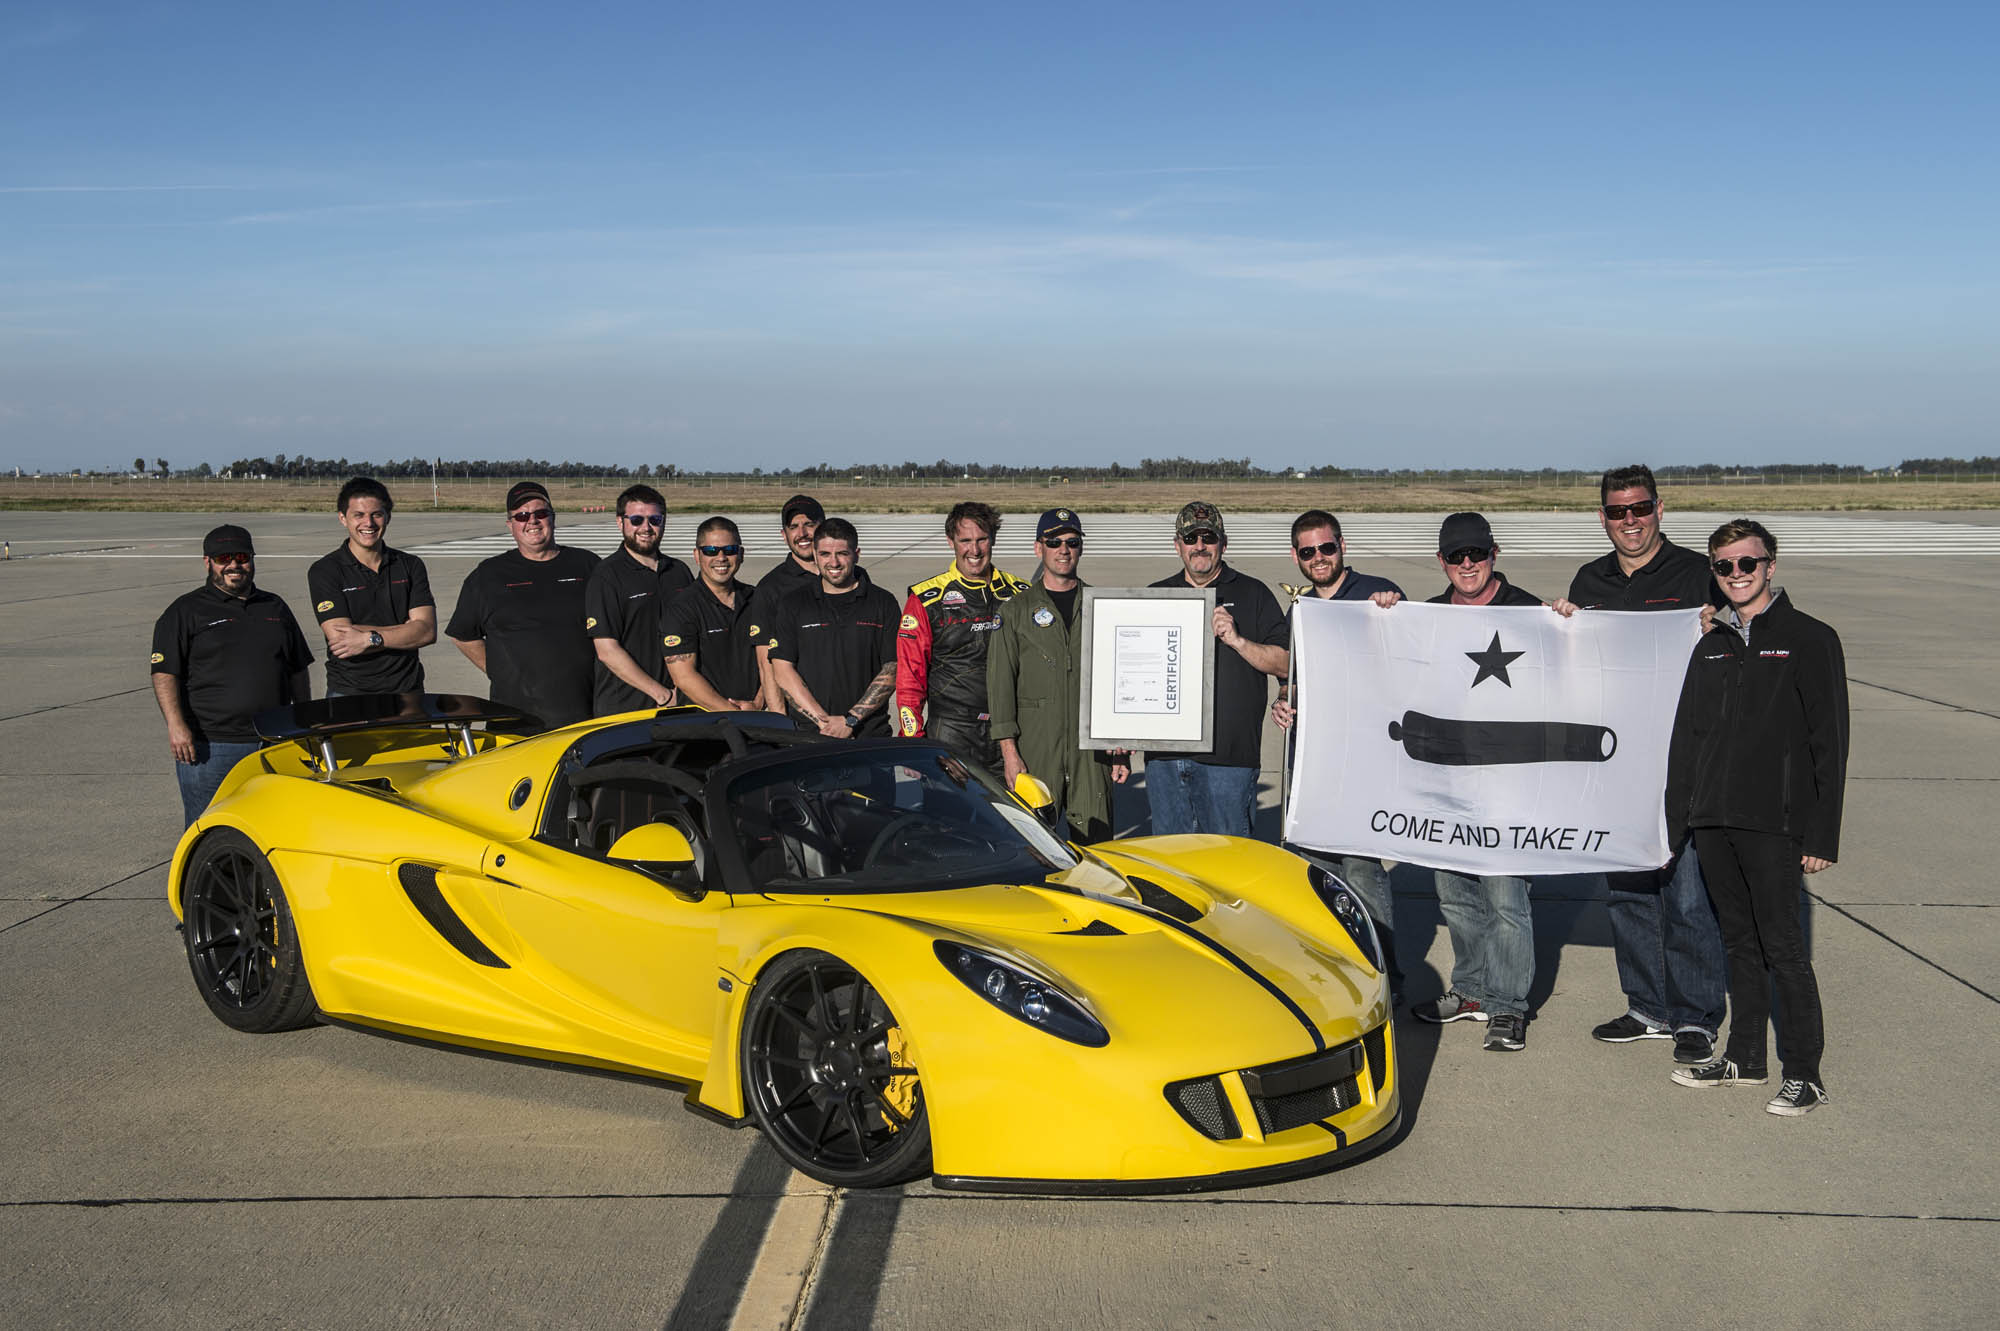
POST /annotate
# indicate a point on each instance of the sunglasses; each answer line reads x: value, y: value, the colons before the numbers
x: 228, y: 560
x: 1471, y: 554
x: 711, y: 551
x: 1323, y: 548
x: 1201, y: 538
x: 646, y: 519
x: 527, y: 515
x: 1063, y: 542
x: 1746, y: 565
x: 1643, y: 509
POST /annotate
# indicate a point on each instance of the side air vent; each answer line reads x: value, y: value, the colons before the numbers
x: 1163, y: 901
x: 1097, y: 929
x: 420, y: 885
x: 1201, y: 1102
x: 1378, y: 1067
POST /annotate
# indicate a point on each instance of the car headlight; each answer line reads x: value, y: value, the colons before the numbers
x: 1026, y: 997
x: 1340, y: 901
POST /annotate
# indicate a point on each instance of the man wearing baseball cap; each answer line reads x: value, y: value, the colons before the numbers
x: 520, y: 616
x: 1216, y: 791
x: 221, y: 654
x: 1034, y: 672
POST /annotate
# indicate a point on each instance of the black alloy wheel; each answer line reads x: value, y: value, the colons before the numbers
x: 828, y: 1075
x: 240, y: 941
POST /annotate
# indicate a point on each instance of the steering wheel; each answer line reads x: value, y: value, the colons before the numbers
x: 906, y: 822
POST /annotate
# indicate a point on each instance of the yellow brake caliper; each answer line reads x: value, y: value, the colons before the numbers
x: 901, y: 1092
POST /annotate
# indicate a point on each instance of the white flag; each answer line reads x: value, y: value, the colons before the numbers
x: 1488, y: 740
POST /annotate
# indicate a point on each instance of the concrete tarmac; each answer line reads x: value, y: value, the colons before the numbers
x: 165, y: 1171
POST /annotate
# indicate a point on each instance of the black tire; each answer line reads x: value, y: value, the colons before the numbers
x: 821, y: 1072
x: 241, y: 944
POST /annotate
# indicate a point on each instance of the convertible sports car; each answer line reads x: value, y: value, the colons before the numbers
x: 875, y: 954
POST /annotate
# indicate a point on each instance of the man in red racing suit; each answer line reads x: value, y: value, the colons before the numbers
x: 941, y: 643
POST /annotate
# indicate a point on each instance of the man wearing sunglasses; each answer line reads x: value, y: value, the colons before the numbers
x: 520, y: 615
x: 1216, y: 791
x: 1034, y: 672
x: 1319, y: 551
x: 942, y: 638
x: 221, y: 654
x: 373, y: 601
x: 623, y: 603
x: 1489, y: 917
x: 1664, y: 936
x: 710, y: 657
x: 1756, y: 773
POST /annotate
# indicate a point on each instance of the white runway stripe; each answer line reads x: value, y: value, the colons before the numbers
x: 1150, y: 535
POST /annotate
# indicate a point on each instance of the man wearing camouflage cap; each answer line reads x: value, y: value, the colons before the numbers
x: 1216, y: 791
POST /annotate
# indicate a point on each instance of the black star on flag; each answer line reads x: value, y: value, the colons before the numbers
x: 1493, y: 663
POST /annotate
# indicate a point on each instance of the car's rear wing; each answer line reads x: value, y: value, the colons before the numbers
x: 317, y: 724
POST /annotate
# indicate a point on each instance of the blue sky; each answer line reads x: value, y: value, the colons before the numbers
x: 774, y: 235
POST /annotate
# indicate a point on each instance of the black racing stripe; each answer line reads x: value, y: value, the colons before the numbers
x: 1269, y: 986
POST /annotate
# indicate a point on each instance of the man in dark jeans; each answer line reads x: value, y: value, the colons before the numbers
x: 1756, y: 771
x: 1663, y: 931
x: 221, y: 654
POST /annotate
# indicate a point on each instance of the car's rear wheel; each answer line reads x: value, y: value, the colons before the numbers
x: 827, y: 1071
x: 241, y: 944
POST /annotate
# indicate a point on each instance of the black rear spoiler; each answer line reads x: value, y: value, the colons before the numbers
x: 381, y: 711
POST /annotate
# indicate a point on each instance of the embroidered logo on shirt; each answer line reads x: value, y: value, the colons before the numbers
x: 909, y: 623
x: 1045, y: 616
x: 158, y: 657
x: 753, y: 630
x: 590, y: 623
x: 1774, y: 653
x: 673, y: 640
x: 909, y: 721
x: 324, y: 606
x: 954, y: 598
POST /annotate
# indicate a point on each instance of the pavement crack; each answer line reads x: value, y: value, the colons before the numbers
x: 71, y: 901
x: 80, y: 702
x: 1893, y: 942
x: 1935, y: 702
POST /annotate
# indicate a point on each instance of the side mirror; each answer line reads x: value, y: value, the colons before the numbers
x: 1033, y: 792
x: 655, y: 846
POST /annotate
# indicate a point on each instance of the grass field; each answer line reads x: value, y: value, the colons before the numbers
x: 1571, y: 491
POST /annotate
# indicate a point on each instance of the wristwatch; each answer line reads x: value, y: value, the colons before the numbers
x: 374, y: 638
x: 853, y: 721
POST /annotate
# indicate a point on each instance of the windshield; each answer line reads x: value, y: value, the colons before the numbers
x: 886, y: 822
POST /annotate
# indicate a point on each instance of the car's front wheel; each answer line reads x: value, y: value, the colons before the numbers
x: 241, y: 944
x: 828, y: 1074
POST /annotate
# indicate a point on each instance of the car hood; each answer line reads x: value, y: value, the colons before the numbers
x: 1093, y: 921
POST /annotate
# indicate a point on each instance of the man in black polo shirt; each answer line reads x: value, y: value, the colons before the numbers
x: 1216, y: 791
x: 833, y: 642
x: 797, y: 522
x: 221, y: 654
x: 373, y: 602
x: 520, y: 615
x: 1319, y: 551
x: 709, y: 653
x: 1664, y: 934
x: 622, y: 604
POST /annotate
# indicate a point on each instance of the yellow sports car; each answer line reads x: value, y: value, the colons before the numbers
x: 874, y: 953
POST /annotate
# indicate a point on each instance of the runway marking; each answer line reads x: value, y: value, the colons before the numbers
x: 781, y: 1278
x: 1380, y: 535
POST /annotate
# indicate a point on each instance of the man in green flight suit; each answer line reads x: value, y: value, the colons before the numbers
x: 1034, y: 669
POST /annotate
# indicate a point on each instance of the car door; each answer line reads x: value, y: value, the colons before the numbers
x: 624, y: 965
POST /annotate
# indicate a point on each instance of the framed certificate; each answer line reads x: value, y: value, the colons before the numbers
x: 1148, y: 669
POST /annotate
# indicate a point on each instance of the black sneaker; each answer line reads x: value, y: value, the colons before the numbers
x: 1454, y: 1006
x: 1693, y: 1047
x: 1625, y: 1029
x: 1797, y: 1098
x: 1721, y: 1072
x: 1507, y: 1031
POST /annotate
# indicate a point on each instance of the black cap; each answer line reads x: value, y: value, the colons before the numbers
x: 528, y: 490
x: 227, y: 539
x: 798, y: 504
x: 1055, y: 520
x: 1464, y: 529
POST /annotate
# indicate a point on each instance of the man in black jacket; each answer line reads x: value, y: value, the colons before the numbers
x: 1664, y: 938
x: 1756, y: 772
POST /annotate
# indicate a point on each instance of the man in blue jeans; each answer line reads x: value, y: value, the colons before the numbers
x: 1491, y: 924
x: 1216, y: 791
x: 221, y: 654
x: 1663, y: 930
